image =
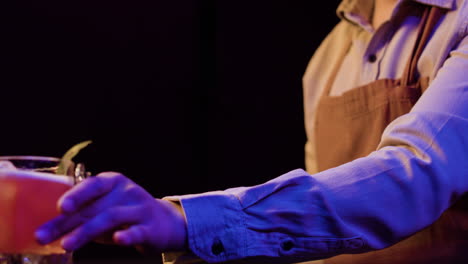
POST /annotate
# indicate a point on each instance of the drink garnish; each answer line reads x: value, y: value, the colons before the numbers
x: 66, y: 160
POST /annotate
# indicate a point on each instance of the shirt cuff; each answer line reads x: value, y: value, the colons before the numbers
x: 215, y: 225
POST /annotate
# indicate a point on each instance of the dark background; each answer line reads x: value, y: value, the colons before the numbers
x: 181, y: 96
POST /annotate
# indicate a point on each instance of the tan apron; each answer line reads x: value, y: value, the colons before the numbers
x: 350, y: 126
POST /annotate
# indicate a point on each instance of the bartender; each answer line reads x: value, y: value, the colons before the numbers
x: 386, y: 117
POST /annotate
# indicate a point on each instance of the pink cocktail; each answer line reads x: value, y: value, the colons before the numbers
x: 29, y: 191
x: 28, y: 200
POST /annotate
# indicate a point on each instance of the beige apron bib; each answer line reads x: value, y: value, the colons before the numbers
x: 350, y: 126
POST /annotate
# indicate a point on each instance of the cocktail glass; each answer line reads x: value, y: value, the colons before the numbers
x: 29, y: 190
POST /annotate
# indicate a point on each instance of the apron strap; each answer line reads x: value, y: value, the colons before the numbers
x: 428, y: 21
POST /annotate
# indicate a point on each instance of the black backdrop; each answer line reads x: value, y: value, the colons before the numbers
x: 181, y: 96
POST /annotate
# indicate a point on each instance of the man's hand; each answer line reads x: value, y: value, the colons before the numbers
x: 112, y: 204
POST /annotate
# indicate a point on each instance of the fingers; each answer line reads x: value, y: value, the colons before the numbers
x: 135, y: 235
x: 88, y: 191
x: 48, y: 232
x: 110, y: 219
x: 63, y: 224
x: 105, y: 205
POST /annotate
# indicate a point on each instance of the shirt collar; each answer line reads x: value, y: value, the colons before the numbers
x: 359, y: 11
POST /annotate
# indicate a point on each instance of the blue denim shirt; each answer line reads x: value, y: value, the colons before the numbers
x: 418, y: 171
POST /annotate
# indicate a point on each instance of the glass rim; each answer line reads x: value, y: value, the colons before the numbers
x: 30, y: 157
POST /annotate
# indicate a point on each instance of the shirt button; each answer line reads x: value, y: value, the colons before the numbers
x: 287, y: 245
x: 372, y: 58
x: 217, y: 247
x: 355, y: 243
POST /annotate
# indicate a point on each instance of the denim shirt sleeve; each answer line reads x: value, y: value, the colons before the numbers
x: 286, y: 219
x: 419, y: 170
